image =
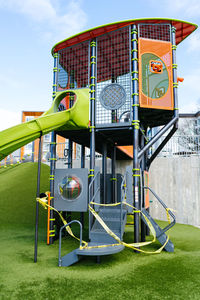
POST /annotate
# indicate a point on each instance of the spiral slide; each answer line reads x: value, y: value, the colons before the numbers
x: 76, y: 117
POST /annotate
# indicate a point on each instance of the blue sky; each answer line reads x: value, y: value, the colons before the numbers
x: 29, y: 29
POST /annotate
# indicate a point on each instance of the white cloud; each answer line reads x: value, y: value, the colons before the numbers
x: 189, y: 8
x: 57, y: 22
x: 194, y: 42
x: 189, y: 92
x: 38, y: 10
x: 177, y: 8
x: 9, y: 118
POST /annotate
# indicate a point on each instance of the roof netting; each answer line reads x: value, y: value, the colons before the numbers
x: 183, y: 29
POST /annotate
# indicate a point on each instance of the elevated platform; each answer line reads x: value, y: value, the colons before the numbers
x: 118, y: 134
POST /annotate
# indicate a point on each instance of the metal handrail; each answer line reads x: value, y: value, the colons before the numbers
x: 60, y: 238
x: 90, y: 184
x: 94, y: 195
x: 165, y: 206
x: 123, y: 195
x: 98, y: 189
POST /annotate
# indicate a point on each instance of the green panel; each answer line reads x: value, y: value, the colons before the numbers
x: 154, y: 85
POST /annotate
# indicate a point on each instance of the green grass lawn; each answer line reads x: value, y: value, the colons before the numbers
x: 125, y: 275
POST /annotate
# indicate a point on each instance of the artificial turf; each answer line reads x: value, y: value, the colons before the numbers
x: 126, y: 275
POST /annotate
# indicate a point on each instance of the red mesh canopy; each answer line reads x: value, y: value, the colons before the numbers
x: 183, y: 29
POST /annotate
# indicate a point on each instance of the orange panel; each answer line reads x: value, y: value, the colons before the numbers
x: 128, y: 150
x: 34, y: 114
x: 146, y: 193
x: 155, y: 74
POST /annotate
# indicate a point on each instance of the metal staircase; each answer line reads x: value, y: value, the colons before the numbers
x: 115, y: 218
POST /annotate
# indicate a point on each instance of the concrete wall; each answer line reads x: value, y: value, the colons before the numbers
x: 176, y: 180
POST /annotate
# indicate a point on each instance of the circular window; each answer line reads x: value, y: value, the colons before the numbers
x: 70, y: 187
x: 113, y: 96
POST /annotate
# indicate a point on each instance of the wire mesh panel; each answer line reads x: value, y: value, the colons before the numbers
x: 113, y: 90
x: 160, y: 32
x: 73, y: 67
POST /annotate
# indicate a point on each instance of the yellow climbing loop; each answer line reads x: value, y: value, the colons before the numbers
x: 134, y: 246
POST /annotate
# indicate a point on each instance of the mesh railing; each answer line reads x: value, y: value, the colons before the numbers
x: 113, y: 72
x: 73, y: 67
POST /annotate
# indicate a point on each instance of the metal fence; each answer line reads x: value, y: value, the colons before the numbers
x: 181, y: 145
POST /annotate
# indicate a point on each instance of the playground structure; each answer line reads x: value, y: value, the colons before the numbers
x: 111, y: 85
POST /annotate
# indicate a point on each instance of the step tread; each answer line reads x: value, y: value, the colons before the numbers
x: 109, y: 249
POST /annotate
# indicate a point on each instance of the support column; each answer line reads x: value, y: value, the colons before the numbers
x: 37, y: 203
x: 53, y: 154
x: 92, y: 121
x: 82, y: 166
x: 92, y: 107
x: 142, y: 193
x: 70, y: 154
x: 114, y: 179
x: 104, y: 172
x: 135, y: 126
x: 174, y: 68
x: 52, y: 174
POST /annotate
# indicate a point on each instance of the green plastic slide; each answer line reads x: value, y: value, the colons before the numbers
x: 76, y: 117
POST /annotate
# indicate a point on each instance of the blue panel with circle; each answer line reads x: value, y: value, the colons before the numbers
x: 71, y: 190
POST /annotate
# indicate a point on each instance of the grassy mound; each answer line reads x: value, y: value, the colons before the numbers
x: 125, y: 275
x: 18, y: 185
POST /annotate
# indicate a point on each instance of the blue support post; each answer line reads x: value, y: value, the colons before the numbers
x: 92, y: 119
x: 104, y: 173
x: 135, y: 126
x: 113, y: 179
x: 174, y: 68
x: 142, y: 193
x: 92, y: 105
x: 53, y: 152
x: 37, y: 203
x: 82, y: 166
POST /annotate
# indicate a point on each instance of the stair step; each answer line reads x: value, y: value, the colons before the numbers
x: 69, y: 259
x: 112, y: 224
x: 101, y: 236
x: 110, y: 249
x: 101, y: 230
